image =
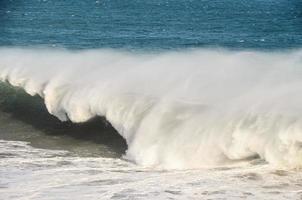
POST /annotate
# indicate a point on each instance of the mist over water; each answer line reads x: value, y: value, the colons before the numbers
x: 178, y: 109
x: 194, y: 99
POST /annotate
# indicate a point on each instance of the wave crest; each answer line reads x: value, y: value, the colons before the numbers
x: 185, y: 109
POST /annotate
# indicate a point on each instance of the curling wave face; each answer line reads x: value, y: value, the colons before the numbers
x: 188, y: 109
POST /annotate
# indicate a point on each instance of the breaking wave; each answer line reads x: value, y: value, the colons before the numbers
x: 186, y: 109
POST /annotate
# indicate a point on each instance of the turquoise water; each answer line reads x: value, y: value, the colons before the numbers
x: 154, y: 24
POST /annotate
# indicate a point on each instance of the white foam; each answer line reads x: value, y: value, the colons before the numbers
x: 185, y: 109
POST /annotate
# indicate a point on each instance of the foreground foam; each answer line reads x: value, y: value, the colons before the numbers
x: 187, y: 109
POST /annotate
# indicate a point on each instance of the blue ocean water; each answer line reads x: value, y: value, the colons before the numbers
x: 153, y: 24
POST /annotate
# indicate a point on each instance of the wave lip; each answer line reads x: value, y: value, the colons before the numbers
x: 186, y: 109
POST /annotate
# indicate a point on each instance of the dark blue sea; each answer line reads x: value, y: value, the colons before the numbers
x: 154, y: 24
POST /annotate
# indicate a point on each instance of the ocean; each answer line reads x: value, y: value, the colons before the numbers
x: 182, y: 99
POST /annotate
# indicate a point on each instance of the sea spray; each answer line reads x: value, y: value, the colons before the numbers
x: 189, y: 109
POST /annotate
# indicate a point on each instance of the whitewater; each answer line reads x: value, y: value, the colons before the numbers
x: 186, y: 109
